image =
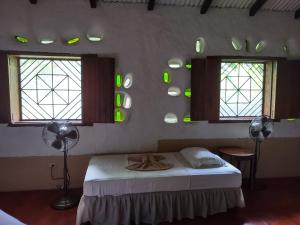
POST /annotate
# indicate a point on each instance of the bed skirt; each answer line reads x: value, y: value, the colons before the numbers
x: 153, y: 208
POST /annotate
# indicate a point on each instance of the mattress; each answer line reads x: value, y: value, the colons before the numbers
x: 107, y: 175
x: 6, y: 219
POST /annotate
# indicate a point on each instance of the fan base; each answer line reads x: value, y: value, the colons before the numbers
x: 65, y: 202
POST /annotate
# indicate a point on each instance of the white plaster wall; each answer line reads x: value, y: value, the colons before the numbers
x: 142, y: 43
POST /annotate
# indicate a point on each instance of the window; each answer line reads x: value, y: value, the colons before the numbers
x: 50, y: 89
x: 227, y: 89
x: 241, y: 89
x: 44, y: 88
x: 35, y: 89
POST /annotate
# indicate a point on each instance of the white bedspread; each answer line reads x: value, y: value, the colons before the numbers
x: 6, y: 219
x: 107, y: 175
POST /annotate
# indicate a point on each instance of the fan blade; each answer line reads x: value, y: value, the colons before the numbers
x: 254, y: 133
x: 53, y: 127
x: 56, y: 144
x: 266, y: 132
x: 72, y: 135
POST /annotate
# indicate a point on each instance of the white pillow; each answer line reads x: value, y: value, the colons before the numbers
x: 199, y: 157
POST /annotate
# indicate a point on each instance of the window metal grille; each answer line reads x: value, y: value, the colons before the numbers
x: 50, y: 89
x: 241, y: 92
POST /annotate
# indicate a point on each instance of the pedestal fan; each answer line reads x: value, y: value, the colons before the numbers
x: 62, y: 136
x: 260, y: 129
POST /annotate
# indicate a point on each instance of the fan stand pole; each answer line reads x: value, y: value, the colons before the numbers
x: 254, y: 164
x: 66, y: 185
x: 66, y: 201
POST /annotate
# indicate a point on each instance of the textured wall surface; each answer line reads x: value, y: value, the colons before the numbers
x: 279, y: 158
x: 142, y: 43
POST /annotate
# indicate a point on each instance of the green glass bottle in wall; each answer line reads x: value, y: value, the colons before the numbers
x: 21, y: 39
x: 118, y: 99
x: 187, y: 119
x: 187, y: 92
x: 119, y: 115
x: 73, y: 40
x: 188, y: 66
x: 166, y: 77
x: 291, y: 119
x: 118, y: 80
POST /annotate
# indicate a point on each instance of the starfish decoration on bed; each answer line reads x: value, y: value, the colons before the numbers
x: 147, y: 162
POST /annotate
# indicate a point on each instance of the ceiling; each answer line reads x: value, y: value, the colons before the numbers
x: 274, y: 5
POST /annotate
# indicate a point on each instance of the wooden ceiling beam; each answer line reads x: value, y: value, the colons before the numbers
x: 93, y: 3
x: 33, y: 1
x: 151, y: 4
x: 297, y: 14
x: 256, y: 7
x: 206, y: 4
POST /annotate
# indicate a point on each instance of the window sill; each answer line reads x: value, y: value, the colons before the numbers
x: 229, y: 121
x: 236, y: 121
x: 42, y: 124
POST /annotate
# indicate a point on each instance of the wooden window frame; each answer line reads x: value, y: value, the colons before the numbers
x: 269, y: 71
x: 15, y: 88
x: 11, y: 104
x: 245, y: 118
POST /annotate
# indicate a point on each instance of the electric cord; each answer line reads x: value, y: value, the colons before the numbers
x: 258, y: 153
x: 61, y: 178
x: 67, y: 169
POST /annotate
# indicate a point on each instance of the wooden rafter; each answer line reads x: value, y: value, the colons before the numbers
x: 33, y: 1
x: 256, y: 7
x: 206, y: 4
x: 93, y: 3
x: 297, y: 14
x: 151, y: 4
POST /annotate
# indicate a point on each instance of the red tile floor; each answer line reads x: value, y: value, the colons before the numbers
x: 278, y: 203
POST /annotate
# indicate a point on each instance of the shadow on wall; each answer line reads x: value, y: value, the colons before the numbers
x: 176, y: 145
x: 278, y: 157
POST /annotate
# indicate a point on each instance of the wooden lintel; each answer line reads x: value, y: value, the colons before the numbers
x: 206, y: 4
x: 297, y: 14
x: 151, y: 4
x: 256, y: 7
x: 93, y: 3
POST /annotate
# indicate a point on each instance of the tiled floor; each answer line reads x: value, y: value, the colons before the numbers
x: 277, y: 204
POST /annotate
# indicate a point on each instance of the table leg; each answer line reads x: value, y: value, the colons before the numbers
x: 251, y: 174
x: 238, y: 164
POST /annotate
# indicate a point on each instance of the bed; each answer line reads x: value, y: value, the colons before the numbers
x: 113, y: 195
x: 9, y: 220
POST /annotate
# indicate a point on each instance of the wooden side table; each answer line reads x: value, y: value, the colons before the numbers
x: 241, y: 154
